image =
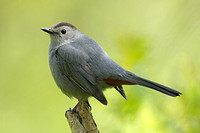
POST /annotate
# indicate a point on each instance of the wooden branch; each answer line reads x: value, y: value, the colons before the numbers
x: 80, y: 119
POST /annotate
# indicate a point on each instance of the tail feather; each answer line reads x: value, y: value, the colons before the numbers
x: 156, y: 86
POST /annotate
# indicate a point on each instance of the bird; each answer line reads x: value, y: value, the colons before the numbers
x: 82, y: 69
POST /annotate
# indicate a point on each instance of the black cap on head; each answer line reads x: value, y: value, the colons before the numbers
x: 63, y: 24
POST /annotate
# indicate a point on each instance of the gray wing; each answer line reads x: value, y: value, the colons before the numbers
x: 75, y: 65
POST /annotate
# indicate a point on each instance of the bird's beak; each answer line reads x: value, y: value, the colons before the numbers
x: 48, y: 30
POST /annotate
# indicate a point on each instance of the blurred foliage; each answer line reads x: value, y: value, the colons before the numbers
x: 158, y: 40
x: 131, y: 44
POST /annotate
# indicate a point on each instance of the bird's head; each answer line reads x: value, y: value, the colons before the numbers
x: 61, y: 32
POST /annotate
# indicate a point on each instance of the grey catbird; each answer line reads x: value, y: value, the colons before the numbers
x: 81, y: 68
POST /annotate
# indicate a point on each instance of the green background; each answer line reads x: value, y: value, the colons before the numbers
x: 158, y: 40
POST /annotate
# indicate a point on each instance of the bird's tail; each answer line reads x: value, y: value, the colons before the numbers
x: 150, y: 84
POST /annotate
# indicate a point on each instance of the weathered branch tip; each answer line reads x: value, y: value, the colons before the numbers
x: 80, y: 119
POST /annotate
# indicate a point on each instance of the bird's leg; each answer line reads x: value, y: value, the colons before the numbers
x: 74, y: 109
x: 78, y: 104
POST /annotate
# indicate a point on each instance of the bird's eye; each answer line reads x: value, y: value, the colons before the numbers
x: 63, y: 31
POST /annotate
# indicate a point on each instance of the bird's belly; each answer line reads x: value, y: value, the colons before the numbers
x: 64, y: 83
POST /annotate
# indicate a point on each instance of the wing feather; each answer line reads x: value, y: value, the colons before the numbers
x: 75, y: 65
